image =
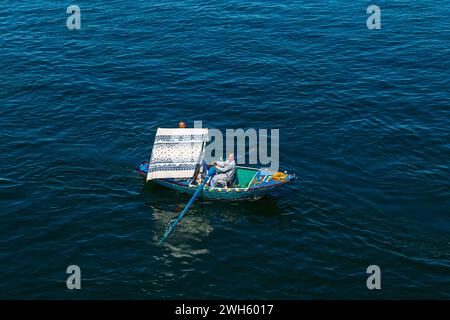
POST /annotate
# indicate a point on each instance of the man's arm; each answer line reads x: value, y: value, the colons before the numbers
x: 220, y: 163
x: 226, y: 168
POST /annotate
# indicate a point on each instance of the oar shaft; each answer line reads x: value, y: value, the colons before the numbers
x: 191, y: 201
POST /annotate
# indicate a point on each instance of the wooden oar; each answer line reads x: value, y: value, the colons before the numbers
x: 173, y: 223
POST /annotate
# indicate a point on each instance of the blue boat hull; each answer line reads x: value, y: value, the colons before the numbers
x: 259, y: 187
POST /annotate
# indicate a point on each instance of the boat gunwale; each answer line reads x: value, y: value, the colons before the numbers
x: 253, y: 188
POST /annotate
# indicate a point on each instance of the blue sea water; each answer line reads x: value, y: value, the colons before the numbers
x: 363, y: 118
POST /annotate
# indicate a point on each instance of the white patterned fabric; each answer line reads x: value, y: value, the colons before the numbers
x: 176, y: 152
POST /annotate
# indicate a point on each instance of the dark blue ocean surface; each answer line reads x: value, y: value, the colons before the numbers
x: 363, y: 118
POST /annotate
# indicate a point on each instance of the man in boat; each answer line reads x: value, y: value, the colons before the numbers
x: 225, y: 171
x: 182, y: 124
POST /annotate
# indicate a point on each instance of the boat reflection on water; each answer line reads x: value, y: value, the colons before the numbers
x: 200, y: 222
x: 187, y: 242
x: 204, y: 217
x: 167, y: 206
x: 196, y: 227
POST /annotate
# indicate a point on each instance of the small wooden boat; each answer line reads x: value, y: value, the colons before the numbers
x: 251, y: 183
x: 178, y: 154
